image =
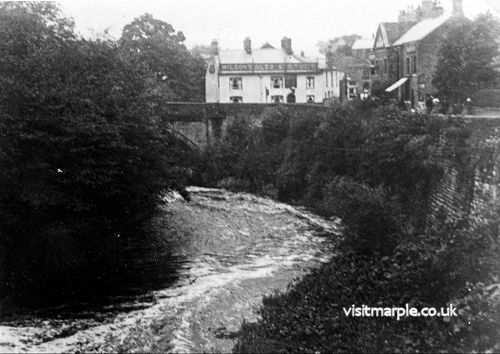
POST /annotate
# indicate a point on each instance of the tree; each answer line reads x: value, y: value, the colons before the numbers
x: 465, y: 58
x: 176, y: 75
x: 81, y: 160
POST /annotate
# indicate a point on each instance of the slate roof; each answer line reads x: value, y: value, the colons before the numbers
x: 267, y: 46
x: 261, y: 56
x: 267, y: 54
x: 392, y: 31
x: 395, y: 30
x: 422, y: 29
x: 363, y: 43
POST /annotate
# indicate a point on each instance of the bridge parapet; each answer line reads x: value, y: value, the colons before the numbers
x: 198, y: 111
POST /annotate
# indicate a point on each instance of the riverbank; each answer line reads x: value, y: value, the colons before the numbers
x: 231, y: 250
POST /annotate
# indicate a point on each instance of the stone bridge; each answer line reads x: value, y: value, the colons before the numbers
x: 200, y: 124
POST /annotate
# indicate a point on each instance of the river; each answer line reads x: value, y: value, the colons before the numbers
x: 228, y: 251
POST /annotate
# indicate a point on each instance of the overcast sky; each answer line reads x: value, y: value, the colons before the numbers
x: 230, y: 21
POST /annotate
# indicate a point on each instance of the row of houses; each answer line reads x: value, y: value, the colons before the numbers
x: 400, y: 60
x: 402, y: 57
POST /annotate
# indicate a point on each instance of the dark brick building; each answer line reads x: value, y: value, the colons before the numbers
x: 408, y: 63
x: 384, y: 57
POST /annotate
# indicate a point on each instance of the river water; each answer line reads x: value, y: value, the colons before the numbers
x: 228, y: 251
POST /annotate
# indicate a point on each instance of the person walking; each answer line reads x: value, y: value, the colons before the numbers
x: 429, y: 103
x: 468, y: 106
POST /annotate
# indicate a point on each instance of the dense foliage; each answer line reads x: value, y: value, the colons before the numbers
x: 377, y: 169
x: 177, y: 75
x: 82, y: 163
x: 465, y: 58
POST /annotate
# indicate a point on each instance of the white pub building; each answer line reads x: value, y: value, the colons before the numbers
x: 268, y: 75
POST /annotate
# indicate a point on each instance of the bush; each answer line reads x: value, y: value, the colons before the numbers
x: 426, y: 270
x: 487, y: 98
x: 378, y: 170
x: 368, y: 213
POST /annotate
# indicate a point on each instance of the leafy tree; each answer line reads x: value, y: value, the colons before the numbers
x: 81, y: 161
x: 339, y: 45
x: 200, y: 50
x: 176, y: 75
x: 465, y: 58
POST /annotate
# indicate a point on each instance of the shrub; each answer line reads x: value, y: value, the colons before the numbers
x: 368, y: 213
x: 378, y: 170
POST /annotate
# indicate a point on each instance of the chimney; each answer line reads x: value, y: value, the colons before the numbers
x: 214, y: 48
x: 286, y: 45
x: 427, y: 8
x: 247, y: 45
x: 458, y: 9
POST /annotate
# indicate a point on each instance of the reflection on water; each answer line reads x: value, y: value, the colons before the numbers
x: 221, y: 253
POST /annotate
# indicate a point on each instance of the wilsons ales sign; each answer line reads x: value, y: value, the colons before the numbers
x: 270, y: 67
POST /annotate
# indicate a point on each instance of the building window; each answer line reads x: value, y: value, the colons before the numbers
x: 326, y: 78
x: 277, y: 82
x: 236, y: 83
x: 385, y: 65
x: 291, y: 81
x: 408, y: 66
x: 277, y: 99
x: 310, y: 82
x: 352, y: 93
x: 310, y: 99
x: 366, y: 74
x: 236, y: 99
x: 414, y: 64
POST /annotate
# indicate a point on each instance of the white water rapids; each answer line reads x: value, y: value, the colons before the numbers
x: 236, y: 248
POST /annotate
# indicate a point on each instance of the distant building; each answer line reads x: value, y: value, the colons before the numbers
x: 356, y: 76
x: 268, y: 75
x: 362, y: 48
x: 428, y: 9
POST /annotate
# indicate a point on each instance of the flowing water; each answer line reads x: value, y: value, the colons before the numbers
x: 228, y: 250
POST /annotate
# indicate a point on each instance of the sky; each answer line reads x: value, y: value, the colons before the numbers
x: 230, y: 21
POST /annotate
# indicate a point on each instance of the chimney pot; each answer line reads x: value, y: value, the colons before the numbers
x: 286, y: 45
x: 247, y: 45
x: 458, y: 9
x: 214, y: 48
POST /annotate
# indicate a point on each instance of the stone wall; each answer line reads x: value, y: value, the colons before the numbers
x: 468, y: 188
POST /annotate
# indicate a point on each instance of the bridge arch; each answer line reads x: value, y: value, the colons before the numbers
x: 183, y: 139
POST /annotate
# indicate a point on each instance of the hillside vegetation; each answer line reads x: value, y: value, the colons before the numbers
x: 376, y: 169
